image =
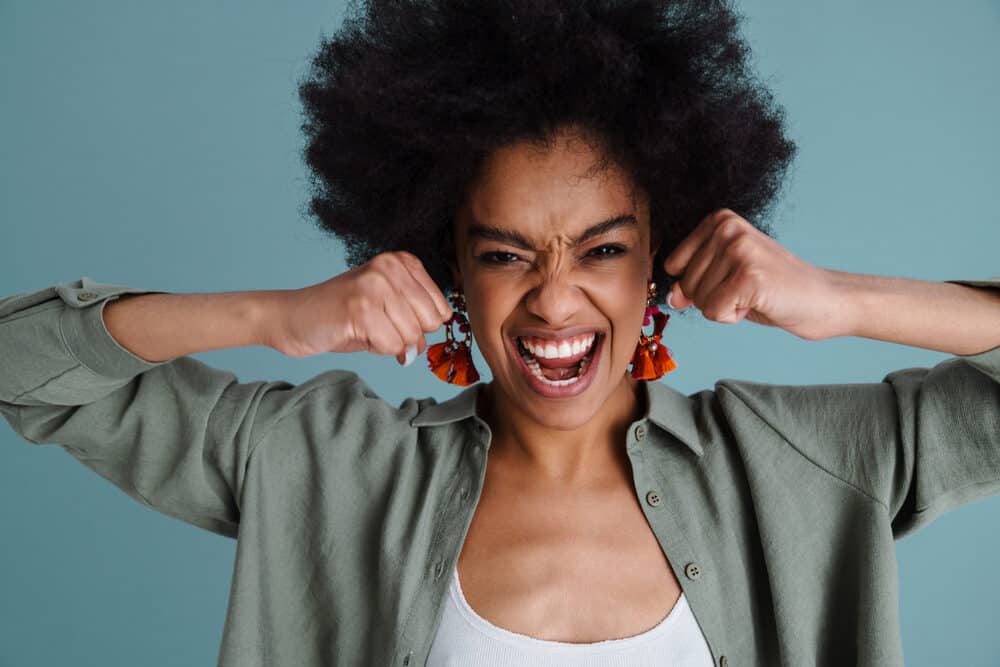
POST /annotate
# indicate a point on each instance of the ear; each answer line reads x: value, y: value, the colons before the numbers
x: 654, y: 248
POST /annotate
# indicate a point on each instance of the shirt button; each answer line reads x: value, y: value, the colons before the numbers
x: 692, y: 570
x: 723, y: 661
x: 653, y: 498
x: 407, y: 658
x: 640, y: 432
x: 438, y: 569
x: 86, y: 296
x: 464, y: 494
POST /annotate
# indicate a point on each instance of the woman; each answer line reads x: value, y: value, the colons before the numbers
x: 529, y: 161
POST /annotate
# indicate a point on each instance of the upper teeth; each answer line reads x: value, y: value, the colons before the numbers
x: 551, y: 349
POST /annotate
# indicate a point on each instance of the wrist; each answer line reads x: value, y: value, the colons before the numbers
x: 851, y: 293
x: 265, y: 314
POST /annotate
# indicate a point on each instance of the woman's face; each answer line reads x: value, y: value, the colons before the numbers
x: 537, y: 266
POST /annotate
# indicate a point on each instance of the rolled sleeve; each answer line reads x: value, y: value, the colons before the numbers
x: 86, y: 335
x: 175, y: 435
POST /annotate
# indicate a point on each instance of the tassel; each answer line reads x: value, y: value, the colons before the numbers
x: 451, y: 360
x: 652, y: 359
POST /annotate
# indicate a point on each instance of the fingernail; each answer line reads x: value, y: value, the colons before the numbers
x: 670, y: 305
x: 411, y: 354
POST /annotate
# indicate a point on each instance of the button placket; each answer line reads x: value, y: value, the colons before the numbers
x: 653, y: 490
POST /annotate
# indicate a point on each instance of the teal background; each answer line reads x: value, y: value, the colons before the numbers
x: 157, y: 145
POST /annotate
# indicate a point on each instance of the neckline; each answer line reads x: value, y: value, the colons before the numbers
x: 482, y: 625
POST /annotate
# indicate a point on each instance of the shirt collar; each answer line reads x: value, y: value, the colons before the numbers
x: 669, y: 409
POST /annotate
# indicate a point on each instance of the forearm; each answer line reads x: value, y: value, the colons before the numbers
x: 160, y: 327
x: 957, y: 319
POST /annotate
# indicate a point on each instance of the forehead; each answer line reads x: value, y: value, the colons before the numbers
x: 549, y: 191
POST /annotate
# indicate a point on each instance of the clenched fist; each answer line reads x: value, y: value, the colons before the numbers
x: 730, y: 270
x: 384, y: 306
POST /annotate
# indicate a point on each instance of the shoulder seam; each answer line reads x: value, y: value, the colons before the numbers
x: 267, y: 432
x: 854, y: 486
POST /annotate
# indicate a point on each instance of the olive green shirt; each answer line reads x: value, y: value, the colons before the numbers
x: 776, y: 505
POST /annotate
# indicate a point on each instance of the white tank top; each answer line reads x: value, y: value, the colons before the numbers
x: 465, y: 638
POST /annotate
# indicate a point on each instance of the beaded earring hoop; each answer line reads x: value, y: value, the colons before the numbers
x: 652, y: 359
x: 451, y: 360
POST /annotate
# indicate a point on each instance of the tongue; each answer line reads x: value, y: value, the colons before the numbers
x: 561, y: 368
x: 559, y: 373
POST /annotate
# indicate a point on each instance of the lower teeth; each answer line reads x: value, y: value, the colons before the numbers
x: 536, y: 370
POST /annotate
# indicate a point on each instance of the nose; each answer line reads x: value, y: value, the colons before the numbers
x: 554, y: 300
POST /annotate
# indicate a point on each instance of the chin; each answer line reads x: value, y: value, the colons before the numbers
x: 568, y: 418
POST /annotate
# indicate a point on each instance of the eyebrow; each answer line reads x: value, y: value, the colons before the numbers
x: 511, y: 237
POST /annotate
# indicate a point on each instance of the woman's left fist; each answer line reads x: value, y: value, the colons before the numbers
x: 730, y: 270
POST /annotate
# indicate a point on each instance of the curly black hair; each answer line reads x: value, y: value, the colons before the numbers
x: 407, y: 99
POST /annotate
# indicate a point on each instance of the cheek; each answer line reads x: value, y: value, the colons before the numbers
x: 624, y: 307
x: 487, y: 317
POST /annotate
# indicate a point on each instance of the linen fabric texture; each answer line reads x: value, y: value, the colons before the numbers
x: 776, y: 505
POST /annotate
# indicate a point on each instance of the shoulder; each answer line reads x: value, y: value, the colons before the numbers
x: 799, y: 411
x: 847, y: 430
x: 337, y: 402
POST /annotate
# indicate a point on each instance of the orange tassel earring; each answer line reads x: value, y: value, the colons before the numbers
x: 451, y: 360
x: 651, y: 359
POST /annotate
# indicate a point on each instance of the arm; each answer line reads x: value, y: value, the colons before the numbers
x: 160, y: 326
x: 176, y: 436
x: 920, y: 442
x: 924, y: 440
x: 956, y: 316
x: 121, y: 395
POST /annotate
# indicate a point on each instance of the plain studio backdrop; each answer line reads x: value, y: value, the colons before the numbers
x: 156, y: 145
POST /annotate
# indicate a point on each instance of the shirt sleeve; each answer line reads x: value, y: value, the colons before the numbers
x: 174, y: 435
x: 920, y: 442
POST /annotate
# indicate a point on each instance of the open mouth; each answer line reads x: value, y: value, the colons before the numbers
x: 559, y: 368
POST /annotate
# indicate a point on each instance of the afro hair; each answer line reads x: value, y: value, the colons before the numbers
x: 407, y: 99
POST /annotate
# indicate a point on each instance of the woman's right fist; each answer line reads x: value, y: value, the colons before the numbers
x: 384, y: 306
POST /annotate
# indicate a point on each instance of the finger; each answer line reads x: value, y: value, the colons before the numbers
x: 712, y: 278
x: 690, y: 282
x: 419, y: 273
x: 418, y: 289
x: 381, y: 334
x: 707, y: 270
x: 404, y: 319
x: 676, y: 262
x: 711, y: 252
x: 730, y: 301
x: 421, y: 303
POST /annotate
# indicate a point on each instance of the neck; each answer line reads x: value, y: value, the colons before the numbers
x: 591, y: 451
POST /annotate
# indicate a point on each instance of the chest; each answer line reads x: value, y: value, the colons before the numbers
x: 565, y: 565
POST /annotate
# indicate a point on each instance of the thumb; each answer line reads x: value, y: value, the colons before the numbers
x: 407, y: 357
x: 676, y: 299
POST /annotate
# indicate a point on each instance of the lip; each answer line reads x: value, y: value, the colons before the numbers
x: 569, y: 390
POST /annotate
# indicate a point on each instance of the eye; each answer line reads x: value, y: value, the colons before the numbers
x: 606, y: 251
x: 497, y: 257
